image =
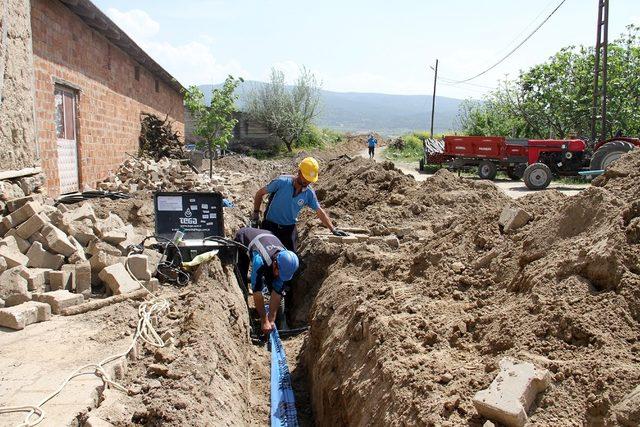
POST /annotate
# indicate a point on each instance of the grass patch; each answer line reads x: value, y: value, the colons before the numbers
x: 409, y: 147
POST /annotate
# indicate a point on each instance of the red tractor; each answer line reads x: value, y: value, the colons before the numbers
x: 535, y: 161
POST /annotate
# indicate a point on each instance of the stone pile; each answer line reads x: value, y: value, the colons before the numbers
x: 54, y: 256
x: 166, y: 175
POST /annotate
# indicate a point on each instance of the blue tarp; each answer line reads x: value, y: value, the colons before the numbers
x: 283, y: 403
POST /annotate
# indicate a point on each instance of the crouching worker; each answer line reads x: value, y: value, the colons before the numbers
x: 271, y: 266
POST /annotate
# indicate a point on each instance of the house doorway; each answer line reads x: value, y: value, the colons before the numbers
x: 65, y: 118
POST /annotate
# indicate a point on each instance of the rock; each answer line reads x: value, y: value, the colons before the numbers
x: 392, y: 241
x: 512, y: 218
x: 118, y: 279
x: 14, y: 288
x: 457, y: 267
x: 57, y: 240
x: 13, y: 257
x: 59, y: 300
x: 19, y: 316
x: 627, y: 411
x: 32, y: 225
x: 38, y: 257
x: 511, y: 393
x: 139, y: 267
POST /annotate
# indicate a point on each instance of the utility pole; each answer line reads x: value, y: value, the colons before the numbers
x: 600, y: 94
x: 433, y: 97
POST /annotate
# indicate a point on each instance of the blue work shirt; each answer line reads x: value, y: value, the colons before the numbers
x: 372, y: 142
x: 284, y: 207
x: 262, y: 274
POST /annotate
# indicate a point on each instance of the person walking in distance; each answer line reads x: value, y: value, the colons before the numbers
x: 372, y: 142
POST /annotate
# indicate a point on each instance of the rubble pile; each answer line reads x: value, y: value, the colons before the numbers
x: 162, y: 175
x: 55, y: 258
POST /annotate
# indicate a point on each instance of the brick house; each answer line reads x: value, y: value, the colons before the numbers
x: 92, y: 82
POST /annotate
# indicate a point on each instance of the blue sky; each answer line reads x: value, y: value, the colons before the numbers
x: 357, y: 45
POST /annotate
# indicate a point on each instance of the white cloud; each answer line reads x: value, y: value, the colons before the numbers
x: 190, y: 63
x: 136, y: 23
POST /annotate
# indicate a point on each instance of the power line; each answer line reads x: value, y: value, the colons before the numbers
x: 515, y: 48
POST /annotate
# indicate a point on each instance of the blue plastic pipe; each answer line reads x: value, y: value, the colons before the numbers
x: 283, y: 402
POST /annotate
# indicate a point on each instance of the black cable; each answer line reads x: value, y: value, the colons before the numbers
x: 87, y: 195
x: 515, y: 48
x: 175, y: 265
x: 225, y: 241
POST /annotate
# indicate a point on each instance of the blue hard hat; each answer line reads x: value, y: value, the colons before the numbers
x: 287, y: 264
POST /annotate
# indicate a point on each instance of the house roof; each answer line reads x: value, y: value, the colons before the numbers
x: 100, y: 22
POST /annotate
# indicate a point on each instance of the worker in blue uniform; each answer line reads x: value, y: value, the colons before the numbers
x: 271, y: 265
x: 288, y: 195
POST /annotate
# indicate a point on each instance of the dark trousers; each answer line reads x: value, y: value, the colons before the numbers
x: 287, y: 234
x: 243, y: 267
x: 372, y: 151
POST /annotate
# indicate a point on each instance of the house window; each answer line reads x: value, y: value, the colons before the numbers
x: 137, y: 73
x: 157, y: 85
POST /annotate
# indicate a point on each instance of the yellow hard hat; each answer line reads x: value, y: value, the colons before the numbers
x: 309, y: 168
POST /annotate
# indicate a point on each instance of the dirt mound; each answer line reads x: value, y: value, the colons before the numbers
x: 201, y: 377
x: 407, y: 334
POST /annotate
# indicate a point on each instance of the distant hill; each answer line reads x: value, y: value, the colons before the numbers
x: 362, y: 112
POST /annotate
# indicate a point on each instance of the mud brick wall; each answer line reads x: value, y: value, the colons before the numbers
x: 17, y: 128
x: 110, y: 98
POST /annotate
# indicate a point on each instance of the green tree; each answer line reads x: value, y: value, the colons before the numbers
x: 215, y: 122
x: 554, y: 99
x: 286, y: 112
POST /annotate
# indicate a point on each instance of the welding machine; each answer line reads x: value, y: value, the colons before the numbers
x: 198, y: 219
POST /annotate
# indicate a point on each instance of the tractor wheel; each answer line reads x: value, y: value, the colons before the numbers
x: 609, y: 153
x: 487, y: 170
x: 537, y: 176
x: 516, y: 172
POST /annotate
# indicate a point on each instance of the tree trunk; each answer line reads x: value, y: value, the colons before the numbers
x: 289, y: 144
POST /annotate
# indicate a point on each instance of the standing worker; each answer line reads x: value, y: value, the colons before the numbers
x: 372, y: 142
x: 288, y: 195
x: 271, y: 266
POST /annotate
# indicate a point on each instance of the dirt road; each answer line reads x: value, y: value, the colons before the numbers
x: 513, y: 189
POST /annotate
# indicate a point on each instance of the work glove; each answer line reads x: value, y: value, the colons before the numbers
x: 339, y: 233
x: 255, y: 219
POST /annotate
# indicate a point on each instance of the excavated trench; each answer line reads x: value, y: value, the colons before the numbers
x: 405, y: 327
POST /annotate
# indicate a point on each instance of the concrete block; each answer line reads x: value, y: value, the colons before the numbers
x: 22, y: 214
x: 83, y: 279
x: 33, y: 224
x: 59, y: 300
x: 511, y: 393
x: 97, y: 422
x: 19, y: 316
x: 79, y: 254
x: 71, y: 269
x: 22, y: 244
x: 57, y: 240
x: 392, y: 241
x: 82, y: 232
x: 83, y: 212
x: 14, y: 289
x: 114, y: 237
x: 37, y: 278
x: 512, y: 218
x: 97, y: 246
x: 59, y: 280
x: 1, y: 303
x: 139, y: 267
x: 101, y: 260
x: 13, y: 256
x: 118, y: 279
x: 38, y: 257
x: 38, y: 237
x: 15, y: 204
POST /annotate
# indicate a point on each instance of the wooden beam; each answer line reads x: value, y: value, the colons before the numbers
x: 20, y: 173
x: 70, y: 2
